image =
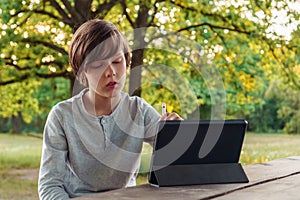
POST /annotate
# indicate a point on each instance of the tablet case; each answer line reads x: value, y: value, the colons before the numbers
x: 219, y: 164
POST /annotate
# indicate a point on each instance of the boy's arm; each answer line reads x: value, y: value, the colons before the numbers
x: 151, y: 119
x: 53, y: 169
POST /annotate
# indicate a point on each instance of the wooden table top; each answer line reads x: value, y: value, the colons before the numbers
x: 278, y: 179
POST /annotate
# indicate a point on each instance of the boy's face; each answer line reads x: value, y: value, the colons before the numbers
x: 107, y: 77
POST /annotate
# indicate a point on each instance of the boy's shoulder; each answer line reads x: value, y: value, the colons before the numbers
x: 135, y: 102
x: 133, y: 99
x: 68, y: 103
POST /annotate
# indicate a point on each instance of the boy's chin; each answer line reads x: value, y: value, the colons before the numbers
x: 113, y: 94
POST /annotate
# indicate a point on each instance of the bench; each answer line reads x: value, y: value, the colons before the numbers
x: 278, y: 179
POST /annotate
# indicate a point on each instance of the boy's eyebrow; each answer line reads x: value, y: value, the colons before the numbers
x: 90, y: 62
x: 120, y: 54
x: 117, y: 56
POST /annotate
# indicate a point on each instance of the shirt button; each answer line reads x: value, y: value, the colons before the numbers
x: 103, y: 121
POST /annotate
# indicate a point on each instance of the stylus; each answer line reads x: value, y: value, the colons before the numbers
x: 163, y: 109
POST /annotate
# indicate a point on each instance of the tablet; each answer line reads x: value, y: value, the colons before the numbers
x: 202, y: 143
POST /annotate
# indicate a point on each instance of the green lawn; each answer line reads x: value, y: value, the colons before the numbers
x: 23, y: 152
x: 18, y: 152
x: 258, y: 148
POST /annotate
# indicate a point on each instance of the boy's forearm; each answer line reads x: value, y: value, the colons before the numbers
x: 54, y: 192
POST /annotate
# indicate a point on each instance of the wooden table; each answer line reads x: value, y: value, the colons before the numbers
x: 276, y: 180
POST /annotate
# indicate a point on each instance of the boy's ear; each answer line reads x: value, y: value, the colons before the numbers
x: 128, y: 65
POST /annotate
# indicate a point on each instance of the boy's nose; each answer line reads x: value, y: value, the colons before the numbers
x: 110, y: 70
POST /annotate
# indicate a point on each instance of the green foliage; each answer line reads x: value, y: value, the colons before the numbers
x: 265, y: 118
x: 281, y: 108
x: 18, y: 97
x: 50, y: 92
x: 234, y: 43
x: 167, y: 81
x: 27, y: 55
x: 290, y: 110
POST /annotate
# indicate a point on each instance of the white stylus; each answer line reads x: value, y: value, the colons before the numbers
x: 163, y: 109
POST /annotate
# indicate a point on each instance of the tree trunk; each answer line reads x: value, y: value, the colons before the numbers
x: 17, y: 122
x: 140, y: 28
x: 135, y: 73
x: 137, y: 62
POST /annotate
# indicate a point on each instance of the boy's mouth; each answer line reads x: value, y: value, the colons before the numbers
x: 111, y: 84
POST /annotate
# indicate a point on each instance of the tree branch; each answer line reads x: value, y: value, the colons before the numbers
x: 64, y: 74
x: 38, y: 11
x: 51, y: 15
x: 70, y: 9
x: 43, y: 12
x: 154, y: 13
x: 59, y: 9
x: 184, y: 7
x: 196, y: 26
x: 59, y: 64
x: 22, y: 78
x: 10, y: 63
x: 143, y: 15
x: 104, y: 8
x: 285, y: 68
x: 220, y: 17
x: 47, y: 44
x: 124, y: 6
x: 83, y: 10
x: 213, y: 27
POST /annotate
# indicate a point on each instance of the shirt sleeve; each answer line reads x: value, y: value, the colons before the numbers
x: 151, y: 119
x: 53, y: 169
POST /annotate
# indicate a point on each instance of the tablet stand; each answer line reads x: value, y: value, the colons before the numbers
x: 175, y: 175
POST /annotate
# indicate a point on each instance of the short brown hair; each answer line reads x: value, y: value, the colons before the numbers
x: 91, y: 34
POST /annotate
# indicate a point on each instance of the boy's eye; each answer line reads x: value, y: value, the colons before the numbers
x: 97, y: 64
x: 117, y: 61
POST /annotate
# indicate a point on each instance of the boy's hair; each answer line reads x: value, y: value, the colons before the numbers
x: 91, y: 34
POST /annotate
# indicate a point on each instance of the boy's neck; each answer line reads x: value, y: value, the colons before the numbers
x: 98, y: 105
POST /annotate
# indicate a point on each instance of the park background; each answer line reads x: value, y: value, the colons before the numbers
x: 251, y: 47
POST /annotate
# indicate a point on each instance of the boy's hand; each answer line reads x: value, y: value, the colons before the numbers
x: 168, y: 116
x: 171, y: 116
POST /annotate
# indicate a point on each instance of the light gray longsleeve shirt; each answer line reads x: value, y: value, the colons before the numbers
x: 83, y: 153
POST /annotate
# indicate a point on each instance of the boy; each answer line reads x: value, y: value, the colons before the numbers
x: 92, y: 141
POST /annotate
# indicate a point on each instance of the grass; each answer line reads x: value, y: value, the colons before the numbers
x: 18, y: 152
x: 258, y: 148
x: 14, y: 189
x: 23, y: 152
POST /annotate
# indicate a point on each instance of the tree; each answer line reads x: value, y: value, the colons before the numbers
x: 286, y: 100
x: 35, y: 38
x: 34, y: 46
